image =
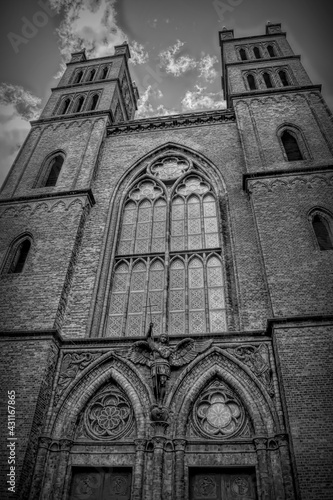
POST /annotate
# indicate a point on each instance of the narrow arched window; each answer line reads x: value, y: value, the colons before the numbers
x: 93, y: 102
x: 283, y: 78
x: 256, y: 53
x: 243, y: 54
x: 267, y: 80
x: 104, y: 73
x: 322, y: 232
x: 177, y: 269
x: 271, y: 50
x: 91, y: 75
x: 54, y: 168
x: 64, y: 106
x: 78, y: 77
x: 20, y: 256
x: 78, y: 105
x: 251, y: 82
x: 291, y: 146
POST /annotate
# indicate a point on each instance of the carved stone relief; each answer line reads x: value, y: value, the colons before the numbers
x: 72, y: 365
x: 256, y: 357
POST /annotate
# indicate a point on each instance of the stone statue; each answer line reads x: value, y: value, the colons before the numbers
x: 160, y: 357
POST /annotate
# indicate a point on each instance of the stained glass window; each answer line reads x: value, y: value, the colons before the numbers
x: 177, y: 297
x: 168, y: 256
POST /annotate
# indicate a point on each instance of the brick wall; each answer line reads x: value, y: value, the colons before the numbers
x: 27, y: 367
x: 305, y: 357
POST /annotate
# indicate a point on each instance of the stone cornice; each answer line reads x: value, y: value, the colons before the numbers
x: 55, y: 195
x: 20, y: 335
x: 297, y: 321
x: 85, y: 83
x: 173, y: 121
x: 276, y: 90
x: 289, y: 179
x: 254, y: 37
x: 264, y: 60
x: 72, y: 117
x: 97, y: 59
x: 274, y: 174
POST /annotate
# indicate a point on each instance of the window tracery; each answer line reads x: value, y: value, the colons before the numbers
x: 168, y: 255
x: 218, y: 413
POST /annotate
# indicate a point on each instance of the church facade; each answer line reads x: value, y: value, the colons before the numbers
x: 166, y: 284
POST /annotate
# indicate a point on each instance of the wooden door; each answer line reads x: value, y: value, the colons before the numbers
x: 101, y: 483
x: 222, y: 484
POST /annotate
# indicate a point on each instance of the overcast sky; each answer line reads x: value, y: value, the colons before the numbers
x: 174, y: 45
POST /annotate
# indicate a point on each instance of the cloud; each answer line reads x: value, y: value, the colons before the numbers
x: 146, y: 109
x: 91, y: 24
x: 174, y: 65
x: 206, y: 67
x: 139, y: 55
x: 200, y: 100
x: 178, y: 65
x: 24, y: 103
x: 13, y: 131
x: 17, y: 107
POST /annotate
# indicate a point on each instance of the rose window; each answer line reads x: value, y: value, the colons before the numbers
x: 218, y: 414
x: 109, y: 415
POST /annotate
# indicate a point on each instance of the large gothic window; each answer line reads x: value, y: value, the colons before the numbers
x: 168, y: 255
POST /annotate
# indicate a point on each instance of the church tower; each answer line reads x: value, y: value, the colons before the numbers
x: 167, y: 288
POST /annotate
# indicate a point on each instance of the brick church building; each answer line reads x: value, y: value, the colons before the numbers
x: 166, y: 289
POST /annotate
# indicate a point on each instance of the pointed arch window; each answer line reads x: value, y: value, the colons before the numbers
x: 291, y: 146
x: 168, y: 254
x: 251, y: 82
x: 267, y: 80
x: 18, y: 256
x: 322, y: 231
x: 53, y: 170
x: 256, y: 52
x: 271, y: 50
x: 78, y: 77
x: 91, y: 75
x: 104, y: 73
x: 64, y: 106
x: 79, y: 104
x: 284, y: 78
x: 243, y: 54
x: 93, y: 102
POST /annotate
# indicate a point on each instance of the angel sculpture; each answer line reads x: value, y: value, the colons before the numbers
x: 160, y: 356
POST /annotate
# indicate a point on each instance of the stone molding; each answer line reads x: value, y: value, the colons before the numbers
x: 173, y: 121
x: 290, y: 181
x: 46, y: 202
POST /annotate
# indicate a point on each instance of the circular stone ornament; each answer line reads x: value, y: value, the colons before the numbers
x: 218, y: 414
x: 109, y: 416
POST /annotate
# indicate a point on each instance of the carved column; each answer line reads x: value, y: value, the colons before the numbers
x: 44, y: 443
x: 261, y: 447
x: 158, y: 466
x: 286, y: 466
x: 168, y: 471
x: 275, y: 468
x: 180, y: 445
x: 51, y: 466
x: 63, y: 456
x: 149, y: 457
x: 138, y: 470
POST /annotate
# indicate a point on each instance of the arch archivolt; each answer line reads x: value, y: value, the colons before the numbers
x: 218, y: 363
x: 108, y: 367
